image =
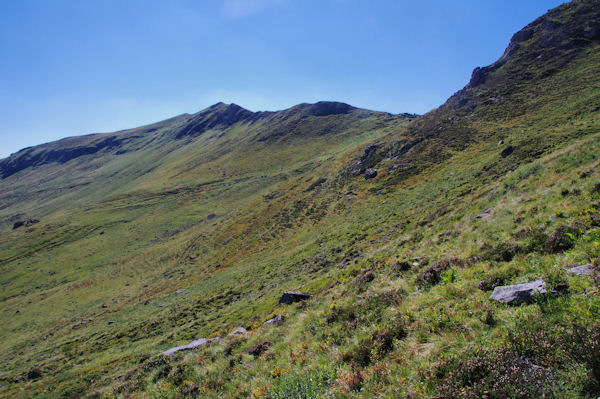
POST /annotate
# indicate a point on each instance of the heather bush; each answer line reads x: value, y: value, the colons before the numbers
x: 532, y: 363
x: 433, y: 274
x: 503, y: 252
x: 497, y: 278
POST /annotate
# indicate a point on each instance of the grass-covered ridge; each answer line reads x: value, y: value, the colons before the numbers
x: 196, y: 235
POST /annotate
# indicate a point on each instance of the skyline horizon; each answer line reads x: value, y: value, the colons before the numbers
x: 349, y: 54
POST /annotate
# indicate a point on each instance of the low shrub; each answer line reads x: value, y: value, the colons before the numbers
x: 433, y: 274
x: 497, y: 278
x: 503, y: 252
x: 379, y: 343
x: 560, y: 240
x: 309, y: 385
x: 532, y: 363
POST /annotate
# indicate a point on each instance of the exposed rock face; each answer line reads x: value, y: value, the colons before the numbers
x: 478, y: 76
x: 217, y: 116
x: 519, y: 293
x: 290, y: 297
x: 22, y: 223
x: 40, y: 155
x: 583, y: 270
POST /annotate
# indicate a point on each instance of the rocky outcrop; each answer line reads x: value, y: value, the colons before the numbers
x: 44, y: 154
x: 24, y: 223
x: 218, y: 116
x: 290, y: 297
x: 370, y: 173
x: 519, y: 293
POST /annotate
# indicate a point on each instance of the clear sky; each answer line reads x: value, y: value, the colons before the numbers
x: 71, y: 67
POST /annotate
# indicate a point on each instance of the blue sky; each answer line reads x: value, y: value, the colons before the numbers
x: 71, y: 67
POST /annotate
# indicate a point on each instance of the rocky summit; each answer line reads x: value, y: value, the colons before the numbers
x: 324, y: 250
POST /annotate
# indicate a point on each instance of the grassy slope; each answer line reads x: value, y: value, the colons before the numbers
x: 347, y: 230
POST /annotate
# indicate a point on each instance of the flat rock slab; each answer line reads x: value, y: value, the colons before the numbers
x: 519, y: 293
x: 192, y: 345
x: 275, y: 321
x: 583, y: 270
x: 290, y: 297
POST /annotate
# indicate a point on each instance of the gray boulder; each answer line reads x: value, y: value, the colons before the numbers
x: 275, y: 321
x: 290, y: 297
x: 583, y: 270
x: 519, y: 293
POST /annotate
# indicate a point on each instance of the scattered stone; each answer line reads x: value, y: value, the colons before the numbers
x: 500, y: 142
x: 370, y: 173
x: 192, y: 345
x: 211, y: 216
x: 484, y: 213
x: 227, y: 241
x: 147, y: 303
x: 17, y: 311
x: 104, y: 306
x: 182, y: 291
x: 34, y: 374
x: 110, y: 322
x: 583, y: 270
x: 507, y: 151
x: 238, y: 332
x: 290, y: 297
x: 275, y: 321
x: 259, y: 348
x: 519, y: 293
x: 330, y: 286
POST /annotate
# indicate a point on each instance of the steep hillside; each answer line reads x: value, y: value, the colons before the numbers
x: 399, y: 229
x: 221, y: 143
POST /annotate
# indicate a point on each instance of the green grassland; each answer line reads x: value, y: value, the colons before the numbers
x: 178, y: 239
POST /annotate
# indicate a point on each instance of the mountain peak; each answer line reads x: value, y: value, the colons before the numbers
x: 322, y: 108
x: 217, y: 116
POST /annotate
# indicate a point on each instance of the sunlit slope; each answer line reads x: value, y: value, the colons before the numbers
x: 482, y: 190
